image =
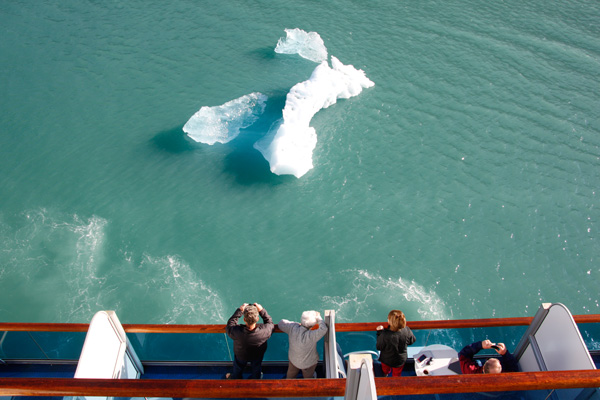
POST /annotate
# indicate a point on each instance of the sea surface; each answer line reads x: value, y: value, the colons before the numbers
x: 464, y: 184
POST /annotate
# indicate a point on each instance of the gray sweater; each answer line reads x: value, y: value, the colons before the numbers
x: 303, y: 342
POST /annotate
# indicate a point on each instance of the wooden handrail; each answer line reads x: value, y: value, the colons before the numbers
x: 488, y: 382
x: 412, y: 385
x: 339, y: 327
x: 42, y: 327
x: 440, y: 324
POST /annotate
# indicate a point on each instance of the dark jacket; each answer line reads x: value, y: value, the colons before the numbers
x: 469, y: 366
x: 248, y: 344
x: 392, y: 346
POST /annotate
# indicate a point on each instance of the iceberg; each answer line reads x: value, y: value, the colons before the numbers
x: 288, y: 146
x: 223, y: 123
x: 308, y: 45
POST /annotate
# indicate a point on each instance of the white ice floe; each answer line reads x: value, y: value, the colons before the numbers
x: 289, y: 149
x: 223, y: 123
x: 308, y: 45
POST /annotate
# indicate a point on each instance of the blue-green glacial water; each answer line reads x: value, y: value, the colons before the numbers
x: 464, y: 183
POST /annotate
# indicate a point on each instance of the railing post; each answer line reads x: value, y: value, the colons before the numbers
x: 360, y: 383
x: 334, y: 367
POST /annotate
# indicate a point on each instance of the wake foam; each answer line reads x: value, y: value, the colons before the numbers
x: 373, y: 296
x: 179, y: 295
x: 308, y: 45
x: 64, y: 259
x: 289, y: 149
x: 223, y: 123
x: 372, y: 293
x: 61, y: 255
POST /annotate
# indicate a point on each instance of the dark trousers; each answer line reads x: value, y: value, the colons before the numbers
x: 239, y: 365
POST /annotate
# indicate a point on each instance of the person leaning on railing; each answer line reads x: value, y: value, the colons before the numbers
x: 506, y: 363
x: 392, y: 342
x: 303, y: 340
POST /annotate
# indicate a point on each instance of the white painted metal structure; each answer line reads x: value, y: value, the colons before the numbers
x: 360, y: 384
x: 553, y: 343
x: 107, y: 352
x: 334, y: 363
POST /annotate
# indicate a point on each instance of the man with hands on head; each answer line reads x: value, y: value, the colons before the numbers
x: 250, y: 340
x: 506, y: 363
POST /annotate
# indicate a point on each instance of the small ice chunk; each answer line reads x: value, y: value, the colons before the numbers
x: 223, y: 123
x: 288, y: 147
x: 308, y: 45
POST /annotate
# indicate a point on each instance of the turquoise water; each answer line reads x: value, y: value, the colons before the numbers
x: 463, y: 184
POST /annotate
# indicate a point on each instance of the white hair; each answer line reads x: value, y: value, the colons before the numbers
x: 309, y: 319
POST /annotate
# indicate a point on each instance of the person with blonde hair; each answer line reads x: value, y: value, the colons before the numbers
x: 506, y: 363
x: 250, y: 340
x: 392, y: 343
x: 302, y: 353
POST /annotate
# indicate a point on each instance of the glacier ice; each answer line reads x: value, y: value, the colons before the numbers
x: 308, y: 45
x: 289, y: 144
x: 288, y: 147
x: 223, y: 123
